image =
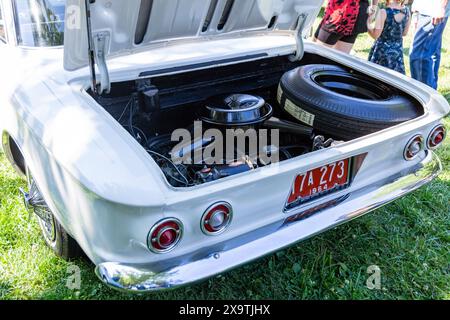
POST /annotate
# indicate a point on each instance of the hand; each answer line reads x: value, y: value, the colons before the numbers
x: 440, y: 18
x: 371, y: 10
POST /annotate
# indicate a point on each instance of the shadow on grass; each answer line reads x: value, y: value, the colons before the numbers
x: 5, y: 290
x: 301, y: 271
x: 252, y: 277
x: 58, y: 284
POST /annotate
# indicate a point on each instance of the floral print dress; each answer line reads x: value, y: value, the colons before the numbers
x: 387, y: 50
x: 345, y: 17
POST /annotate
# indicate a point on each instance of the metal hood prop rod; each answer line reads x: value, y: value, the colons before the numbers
x: 97, y: 55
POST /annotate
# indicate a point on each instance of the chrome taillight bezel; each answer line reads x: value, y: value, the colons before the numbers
x: 211, y: 211
x: 432, y: 136
x: 406, y: 153
x: 153, y: 238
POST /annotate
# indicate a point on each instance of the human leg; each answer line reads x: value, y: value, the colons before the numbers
x: 437, y: 53
x: 425, y: 51
x: 345, y: 44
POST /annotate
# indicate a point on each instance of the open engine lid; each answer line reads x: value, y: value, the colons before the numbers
x: 96, y: 30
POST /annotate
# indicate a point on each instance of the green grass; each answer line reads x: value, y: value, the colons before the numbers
x: 409, y: 240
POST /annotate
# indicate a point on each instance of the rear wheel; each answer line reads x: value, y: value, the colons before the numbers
x: 54, y: 234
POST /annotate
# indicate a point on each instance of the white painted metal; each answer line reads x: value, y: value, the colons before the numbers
x: 107, y: 192
x: 260, y: 242
x: 178, y: 21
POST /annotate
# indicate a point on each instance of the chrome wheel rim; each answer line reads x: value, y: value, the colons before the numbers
x: 34, y: 201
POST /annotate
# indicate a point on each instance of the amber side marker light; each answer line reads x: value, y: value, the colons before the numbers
x: 436, y: 137
x: 165, y: 235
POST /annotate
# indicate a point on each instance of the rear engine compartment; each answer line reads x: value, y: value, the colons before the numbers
x: 186, y: 120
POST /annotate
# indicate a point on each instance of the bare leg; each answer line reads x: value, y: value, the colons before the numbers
x: 344, y: 46
x: 322, y: 43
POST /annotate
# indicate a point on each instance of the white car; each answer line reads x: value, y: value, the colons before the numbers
x: 92, y: 92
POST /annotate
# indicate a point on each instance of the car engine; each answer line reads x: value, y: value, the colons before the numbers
x: 207, y: 125
x: 236, y: 114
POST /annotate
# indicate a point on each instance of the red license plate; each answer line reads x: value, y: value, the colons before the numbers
x: 319, y: 182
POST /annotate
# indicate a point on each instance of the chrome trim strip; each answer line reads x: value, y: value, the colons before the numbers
x: 140, y: 279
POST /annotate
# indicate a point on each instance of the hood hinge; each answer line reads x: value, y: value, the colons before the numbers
x: 101, y: 41
x: 300, y: 51
x: 97, y: 46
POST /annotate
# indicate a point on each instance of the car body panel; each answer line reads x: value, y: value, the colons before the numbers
x: 107, y: 192
x: 260, y: 242
x: 174, y: 22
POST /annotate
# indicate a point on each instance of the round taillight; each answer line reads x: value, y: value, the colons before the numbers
x: 414, y: 147
x: 217, y: 218
x: 437, y: 136
x: 165, y: 235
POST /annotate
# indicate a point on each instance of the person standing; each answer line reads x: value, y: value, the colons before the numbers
x: 344, y: 20
x: 425, y: 55
x: 392, y: 25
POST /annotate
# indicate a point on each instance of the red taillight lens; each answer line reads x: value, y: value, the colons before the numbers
x: 217, y: 218
x: 437, y: 136
x: 165, y: 235
x: 414, y: 147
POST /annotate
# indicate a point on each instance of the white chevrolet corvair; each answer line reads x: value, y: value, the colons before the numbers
x: 96, y: 95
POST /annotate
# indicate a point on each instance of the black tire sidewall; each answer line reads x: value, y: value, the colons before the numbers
x: 338, y: 115
x: 63, y: 245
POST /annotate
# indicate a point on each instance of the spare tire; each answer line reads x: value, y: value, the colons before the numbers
x: 342, y: 104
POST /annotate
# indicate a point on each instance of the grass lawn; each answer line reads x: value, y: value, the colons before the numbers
x: 409, y: 240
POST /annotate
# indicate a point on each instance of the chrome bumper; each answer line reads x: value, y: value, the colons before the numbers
x: 140, y: 279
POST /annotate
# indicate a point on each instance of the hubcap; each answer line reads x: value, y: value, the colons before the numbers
x: 35, y: 203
